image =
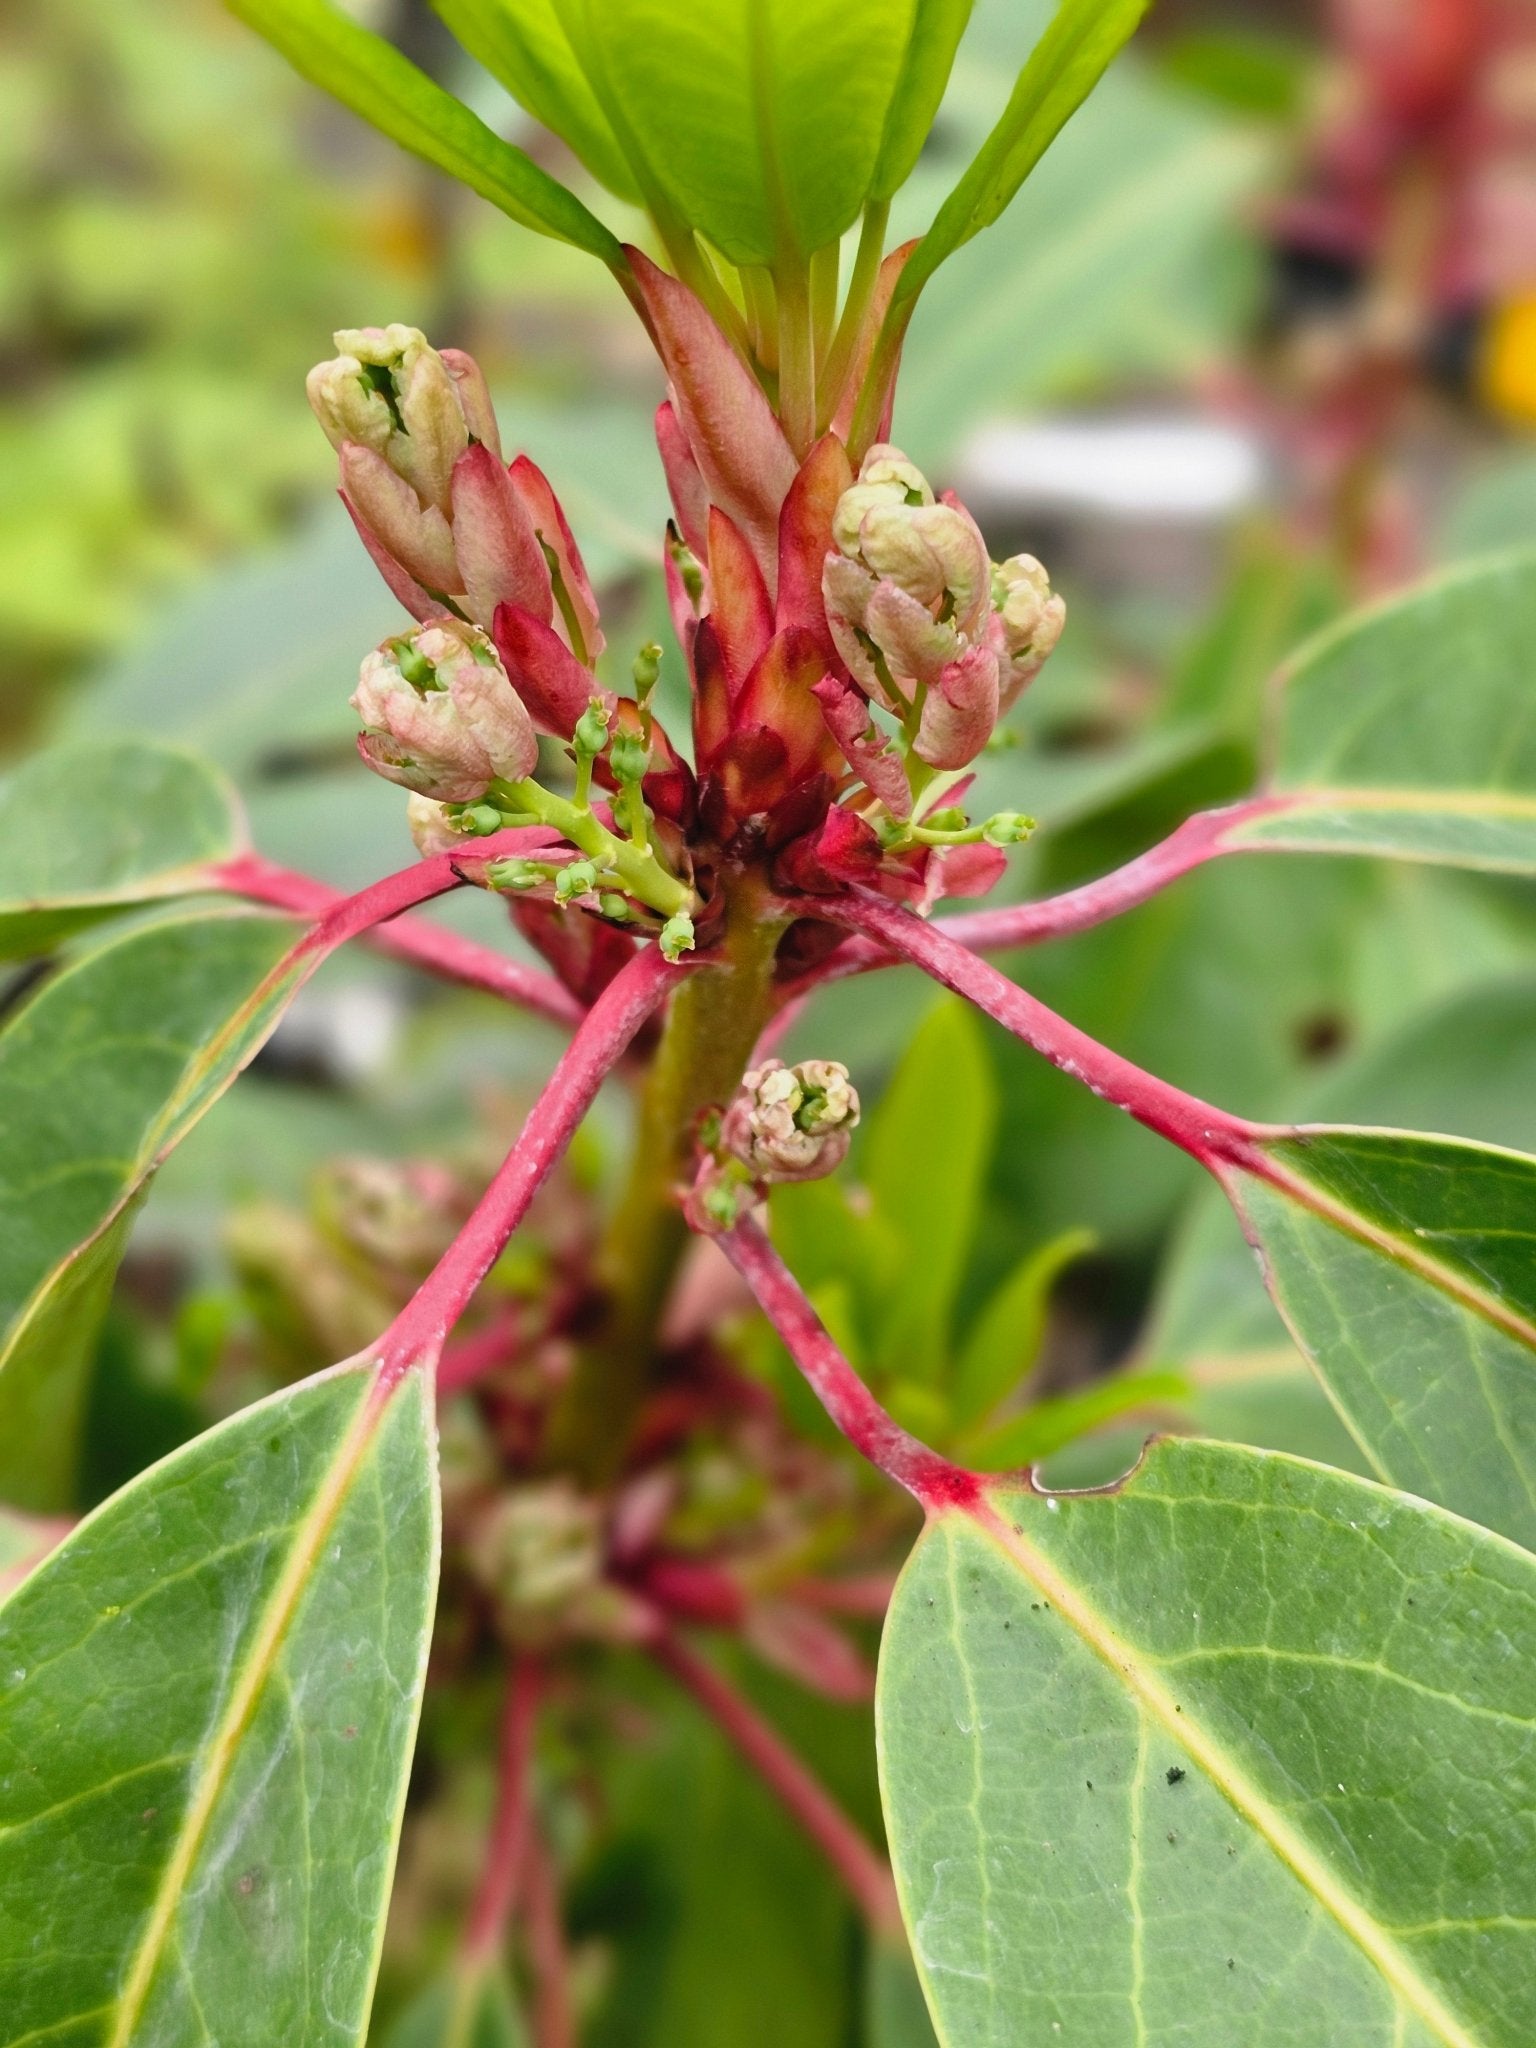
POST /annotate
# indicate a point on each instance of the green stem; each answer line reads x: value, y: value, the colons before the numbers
x: 711, y: 1029
x: 797, y: 366
x: 825, y: 268
x: 639, y: 872
x: 861, y: 285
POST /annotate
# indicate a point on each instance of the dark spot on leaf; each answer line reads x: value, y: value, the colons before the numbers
x: 1231, y: 1963
x: 349, y: 1735
x: 1089, y: 1783
x: 1175, y: 1774
x: 274, y: 1443
x: 247, y: 1884
x: 148, y: 1814
x: 1172, y: 1836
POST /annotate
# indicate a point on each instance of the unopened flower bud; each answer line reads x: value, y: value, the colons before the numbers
x: 440, y: 716
x: 1032, y: 618
x: 791, y: 1123
x: 391, y: 391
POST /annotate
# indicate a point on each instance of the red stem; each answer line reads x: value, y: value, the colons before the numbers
x: 1213, y: 1136
x: 1196, y: 841
x: 599, y: 1044
x: 803, y: 1796
x: 554, y: 2018
x: 933, y: 1480
x: 423, y: 945
x: 507, y: 1844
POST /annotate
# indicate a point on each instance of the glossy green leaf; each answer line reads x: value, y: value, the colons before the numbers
x: 936, y: 31
x: 1063, y: 68
x: 1407, y: 729
x: 1239, y: 1753
x: 469, y: 2008
x: 727, y: 109
x: 1406, y: 1268
x: 925, y: 1163
x: 101, y: 1073
x: 521, y: 43
x: 211, y: 1692
x: 1001, y: 1344
x: 89, y: 830
x: 371, y: 77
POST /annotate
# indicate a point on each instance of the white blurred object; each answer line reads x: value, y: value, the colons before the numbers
x: 1159, y: 466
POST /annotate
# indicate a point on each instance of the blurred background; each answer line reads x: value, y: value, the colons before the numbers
x: 1257, y: 343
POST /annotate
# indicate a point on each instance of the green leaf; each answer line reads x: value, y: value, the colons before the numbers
x: 1406, y: 1268
x: 1407, y: 730
x: 521, y: 43
x: 726, y: 109
x: 1063, y: 68
x: 211, y: 1699
x: 1003, y: 1340
x: 1224, y: 1755
x: 1048, y: 1426
x: 469, y: 2008
x: 371, y: 77
x: 89, y: 830
x: 925, y: 1164
x: 936, y: 32
x: 101, y: 1073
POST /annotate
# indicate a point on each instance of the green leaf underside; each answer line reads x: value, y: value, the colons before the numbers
x: 521, y: 43
x: 1299, y: 1701
x: 101, y: 1074
x: 86, y: 831
x: 1406, y: 1268
x: 725, y: 108
x: 209, y: 1699
x: 1063, y: 68
x: 1410, y: 729
x: 371, y: 77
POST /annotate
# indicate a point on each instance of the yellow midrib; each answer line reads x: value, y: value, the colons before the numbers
x: 281, y: 1607
x: 1285, y: 1179
x: 1296, y: 1853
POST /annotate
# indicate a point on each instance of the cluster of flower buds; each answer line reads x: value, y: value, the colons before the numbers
x: 927, y: 626
x: 784, y: 1123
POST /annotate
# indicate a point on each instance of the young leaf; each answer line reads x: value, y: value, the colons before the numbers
x: 1406, y: 1268
x: 521, y: 43
x: 1048, y: 1426
x: 1220, y: 1755
x: 925, y: 1163
x: 371, y: 77
x: 1406, y: 729
x: 469, y: 2008
x: 101, y: 1073
x: 89, y: 830
x: 1001, y: 1344
x: 1062, y: 70
x: 936, y: 32
x: 210, y: 1701
x: 727, y: 108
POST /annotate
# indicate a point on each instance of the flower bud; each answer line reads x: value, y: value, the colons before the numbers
x: 391, y: 391
x: 1031, y: 618
x: 791, y: 1123
x: 439, y: 715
